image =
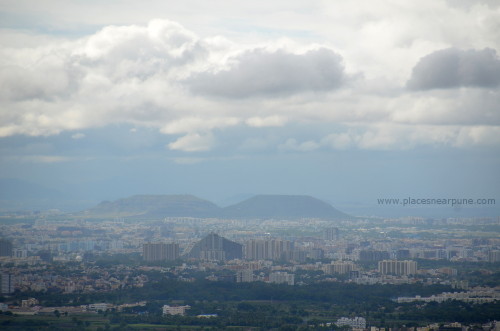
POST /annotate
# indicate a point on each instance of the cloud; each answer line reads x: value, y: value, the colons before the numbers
x: 187, y: 160
x: 292, y: 145
x: 338, y: 140
x: 272, y: 73
x: 390, y: 136
x: 268, y: 121
x: 78, y: 136
x: 256, y: 96
x: 453, y: 68
x: 196, y: 124
x: 193, y: 143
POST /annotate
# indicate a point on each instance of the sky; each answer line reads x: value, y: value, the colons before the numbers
x: 343, y: 100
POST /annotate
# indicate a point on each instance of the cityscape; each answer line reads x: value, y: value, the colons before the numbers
x: 285, y: 165
x: 106, y: 270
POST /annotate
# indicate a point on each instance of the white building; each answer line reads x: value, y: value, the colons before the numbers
x: 175, y: 310
x: 395, y: 267
x: 339, y: 267
x: 281, y: 277
x: 356, y: 322
x: 272, y: 249
x: 98, y: 306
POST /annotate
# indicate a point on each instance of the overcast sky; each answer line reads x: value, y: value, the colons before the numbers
x: 347, y: 101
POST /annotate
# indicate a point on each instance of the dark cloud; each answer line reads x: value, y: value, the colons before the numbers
x: 260, y: 72
x: 451, y: 68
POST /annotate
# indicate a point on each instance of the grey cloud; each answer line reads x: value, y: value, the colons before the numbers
x: 452, y: 68
x: 259, y: 72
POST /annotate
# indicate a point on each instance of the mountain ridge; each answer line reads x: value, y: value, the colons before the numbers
x: 278, y: 206
x: 259, y: 206
x: 145, y: 205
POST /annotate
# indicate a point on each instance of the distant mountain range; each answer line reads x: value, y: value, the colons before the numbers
x: 260, y: 206
x: 150, y: 206
x: 283, y: 206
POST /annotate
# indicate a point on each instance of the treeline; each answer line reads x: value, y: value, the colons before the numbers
x: 451, y: 310
x: 167, y: 290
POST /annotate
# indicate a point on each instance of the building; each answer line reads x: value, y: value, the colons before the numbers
x: 395, y: 267
x: 5, y: 247
x: 493, y: 256
x: 98, y: 306
x: 316, y: 253
x: 281, y: 277
x: 373, y: 255
x: 160, y: 251
x: 271, y: 249
x: 339, y: 267
x: 7, y: 283
x: 216, y: 248
x: 331, y: 234
x: 175, y: 310
x: 355, y: 323
x: 403, y: 254
x: 20, y: 253
x: 244, y: 276
x: 29, y: 302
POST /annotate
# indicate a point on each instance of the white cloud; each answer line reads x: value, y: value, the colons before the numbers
x: 196, y: 124
x: 402, y: 137
x: 292, y: 145
x: 338, y: 140
x: 193, y: 143
x: 268, y: 121
x: 188, y: 160
x: 78, y: 135
x: 294, y: 69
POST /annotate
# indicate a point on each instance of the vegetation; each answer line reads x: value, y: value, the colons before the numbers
x: 259, y: 305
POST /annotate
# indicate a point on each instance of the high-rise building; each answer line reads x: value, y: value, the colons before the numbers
x: 395, y: 267
x: 373, y: 255
x: 271, y: 249
x: 331, y: 234
x: 493, y: 256
x: 244, y: 276
x: 316, y: 253
x: 20, y: 253
x: 281, y: 277
x: 339, y: 267
x: 6, y: 283
x: 403, y: 254
x: 160, y: 251
x: 5, y: 247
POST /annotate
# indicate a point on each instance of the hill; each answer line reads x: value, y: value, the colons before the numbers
x: 154, y: 206
x: 260, y: 206
x: 283, y: 206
